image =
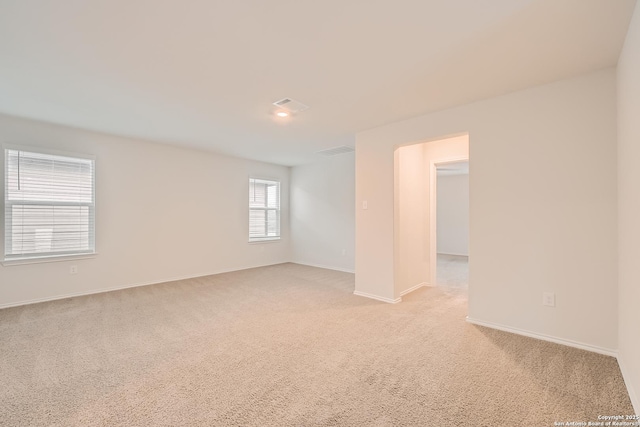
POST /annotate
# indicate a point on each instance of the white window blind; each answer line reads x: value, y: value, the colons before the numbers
x: 264, y: 210
x: 49, y: 205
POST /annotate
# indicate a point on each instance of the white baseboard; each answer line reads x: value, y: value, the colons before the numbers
x: 633, y: 396
x: 118, y: 288
x: 326, y: 267
x: 413, y: 288
x: 570, y: 343
x: 389, y: 300
x: 376, y: 297
x: 449, y: 253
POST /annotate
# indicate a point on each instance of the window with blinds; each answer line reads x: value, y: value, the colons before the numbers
x: 264, y: 210
x: 49, y: 203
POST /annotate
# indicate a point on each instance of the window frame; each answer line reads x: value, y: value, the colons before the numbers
x: 35, y: 258
x: 278, y: 211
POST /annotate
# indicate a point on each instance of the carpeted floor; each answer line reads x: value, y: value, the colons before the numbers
x: 452, y: 271
x: 286, y: 345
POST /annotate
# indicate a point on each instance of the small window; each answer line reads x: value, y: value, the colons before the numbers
x: 264, y: 210
x: 49, y: 205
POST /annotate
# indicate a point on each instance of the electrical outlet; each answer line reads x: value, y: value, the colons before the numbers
x: 365, y: 205
x: 549, y: 299
x: 344, y: 252
x: 73, y: 269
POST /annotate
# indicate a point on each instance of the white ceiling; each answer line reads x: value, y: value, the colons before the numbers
x: 203, y: 73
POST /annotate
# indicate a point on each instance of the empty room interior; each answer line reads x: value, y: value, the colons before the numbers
x: 452, y: 224
x: 332, y: 213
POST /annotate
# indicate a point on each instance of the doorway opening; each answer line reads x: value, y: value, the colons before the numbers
x: 415, y: 184
x: 452, y: 225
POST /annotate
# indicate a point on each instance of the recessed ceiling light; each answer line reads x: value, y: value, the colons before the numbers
x: 282, y: 114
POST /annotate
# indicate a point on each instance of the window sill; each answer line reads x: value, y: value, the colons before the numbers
x: 271, y: 240
x: 42, y: 260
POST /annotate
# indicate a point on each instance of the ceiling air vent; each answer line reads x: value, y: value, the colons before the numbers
x: 291, y: 105
x: 335, y: 151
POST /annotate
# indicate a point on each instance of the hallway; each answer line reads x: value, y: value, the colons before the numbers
x: 453, y: 271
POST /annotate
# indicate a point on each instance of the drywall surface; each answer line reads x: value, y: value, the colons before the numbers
x: 411, y: 215
x: 453, y: 214
x: 543, y: 190
x: 322, y: 213
x: 629, y: 208
x: 161, y: 212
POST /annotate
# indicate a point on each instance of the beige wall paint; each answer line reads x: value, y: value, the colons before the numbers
x: 322, y: 213
x: 162, y: 213
x: 411, y: 216
x: 374, y: 247
x: 629, y: 209
x: 542, y: 207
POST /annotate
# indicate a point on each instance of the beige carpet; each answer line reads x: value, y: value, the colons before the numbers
x: 286, y: 345
x: 452, y: 271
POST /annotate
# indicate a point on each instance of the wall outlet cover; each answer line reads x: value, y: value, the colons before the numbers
x: 549, y: 299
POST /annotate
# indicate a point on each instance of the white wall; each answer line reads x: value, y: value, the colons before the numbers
x: 323, y: 213
x: 543, y: 214
x: 629, y: 209
x: 453, y: 214
x: 411, y: 215
x: 162, y: 213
